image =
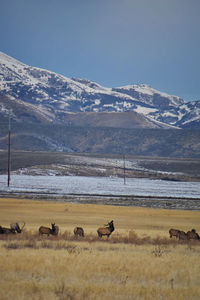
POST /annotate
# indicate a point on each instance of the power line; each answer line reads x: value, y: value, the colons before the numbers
x: 124, y: 169
x: 9, y: 160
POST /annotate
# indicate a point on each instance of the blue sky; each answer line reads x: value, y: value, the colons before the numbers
x: 112, y: 42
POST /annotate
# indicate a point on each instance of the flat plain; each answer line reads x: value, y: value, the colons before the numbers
x: 89, y: 164
x: 138, y: 261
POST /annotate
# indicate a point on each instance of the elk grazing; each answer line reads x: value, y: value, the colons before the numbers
x: 192, y: 235
x: 16, y: 227
x: 78, y: 231
x: 47, y: 230
x: 106, y: 230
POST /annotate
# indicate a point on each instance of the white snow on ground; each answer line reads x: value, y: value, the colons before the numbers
x: 192, y: 120
x: 62, y: 185
x: 109, y: 162
x: 148, y: 90
x: 93, y: 163
x: 145, y: 110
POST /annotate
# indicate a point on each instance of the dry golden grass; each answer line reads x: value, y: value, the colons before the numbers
x: 139, y: 261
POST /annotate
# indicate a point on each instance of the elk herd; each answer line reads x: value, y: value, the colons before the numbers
x: 101, y: 231
x: 181, y: 235
x: 78, y: 231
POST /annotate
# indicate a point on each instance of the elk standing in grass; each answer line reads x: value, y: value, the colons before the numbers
x: 56, y: 230
x: 174, y: 232
x: 193, y: 235
x: 179, y: 234
x: 182, y: 235
x: 78, y: 231
x: 16, y: 227
x: 47, y: 230
x: 106, y: 230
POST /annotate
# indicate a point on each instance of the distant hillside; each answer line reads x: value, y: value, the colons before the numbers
x: 21, y: 112
x: 129, y: 119
x: 145, y: 142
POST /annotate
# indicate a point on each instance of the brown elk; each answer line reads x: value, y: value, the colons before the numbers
x: 192, y: 235
x: 47, y: 230
x: 182, y: 235
x: 78, y: 231
x: 174, y: 232
x: 106, y: 230
x: 16, y: 227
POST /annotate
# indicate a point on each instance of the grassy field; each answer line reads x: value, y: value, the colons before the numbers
x: 139, y: 261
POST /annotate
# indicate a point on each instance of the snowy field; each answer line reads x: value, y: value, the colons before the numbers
x: 65, y: 185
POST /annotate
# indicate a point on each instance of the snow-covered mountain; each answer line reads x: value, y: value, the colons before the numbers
x: 54, y: 96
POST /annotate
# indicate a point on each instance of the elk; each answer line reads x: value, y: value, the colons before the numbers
x: 182, y: 235
x: 78, y: 231
x: 174, y: 232
x: 56, y: 230
x: 4, y: 230
x: 47, y: 230
x: 16, y: 227
x: 106, y: 230
x: 192, y: 235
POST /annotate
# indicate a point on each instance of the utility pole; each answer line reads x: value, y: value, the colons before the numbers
x: 124, y: 169
x: 9, y: 131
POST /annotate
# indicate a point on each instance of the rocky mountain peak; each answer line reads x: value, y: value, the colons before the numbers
x: 58, y: 95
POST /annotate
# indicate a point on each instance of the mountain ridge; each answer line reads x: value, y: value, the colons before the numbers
x: 50, y: 112
x: 56, y: 96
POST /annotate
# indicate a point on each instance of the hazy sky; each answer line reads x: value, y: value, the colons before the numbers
x: 112, y: 42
